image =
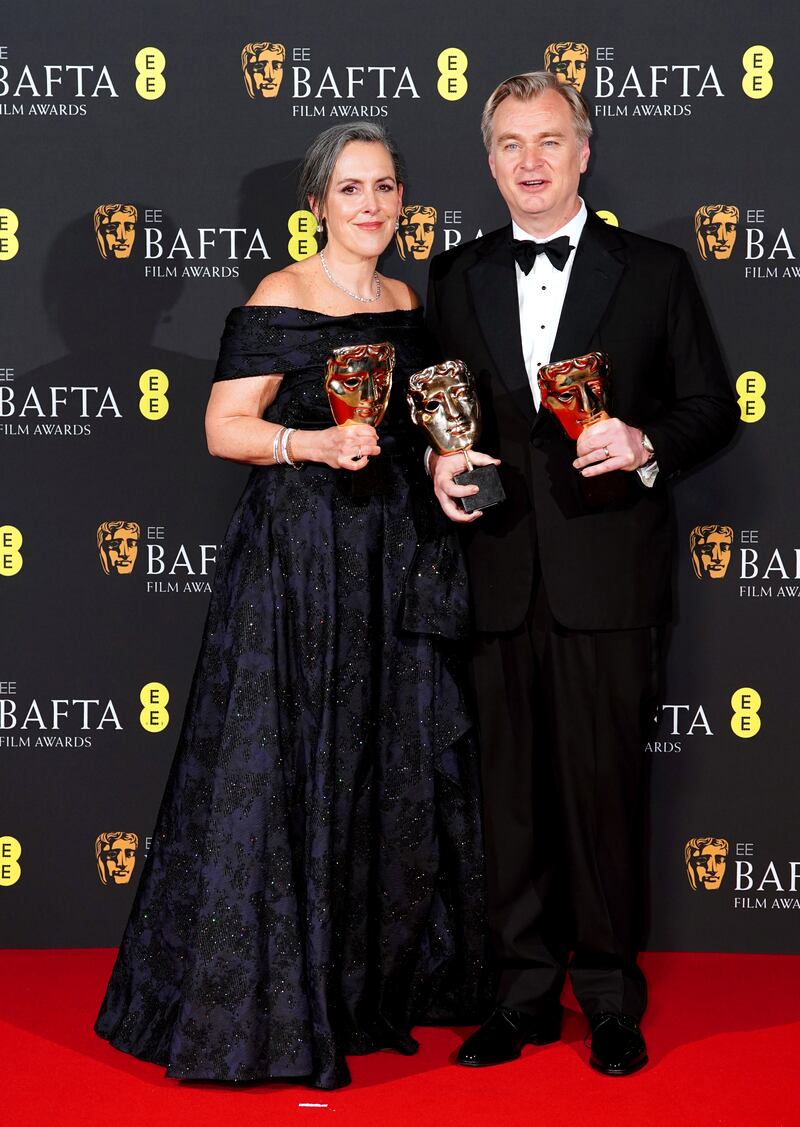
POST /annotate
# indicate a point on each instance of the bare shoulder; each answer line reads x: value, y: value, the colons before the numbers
x: 401, y: 294
x: 284, y: 287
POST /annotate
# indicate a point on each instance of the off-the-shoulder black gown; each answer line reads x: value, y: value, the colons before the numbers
x: 314, y: 886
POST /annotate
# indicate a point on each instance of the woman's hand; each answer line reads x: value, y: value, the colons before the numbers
x: 342, y: 448
x: 444, y: 470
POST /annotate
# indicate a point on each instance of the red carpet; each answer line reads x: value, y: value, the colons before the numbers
x: 723, y: 1032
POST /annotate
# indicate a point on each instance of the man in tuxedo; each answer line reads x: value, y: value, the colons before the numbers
x: 570, y: 595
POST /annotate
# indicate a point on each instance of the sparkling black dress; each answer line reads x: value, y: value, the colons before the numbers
x: 314, y: 886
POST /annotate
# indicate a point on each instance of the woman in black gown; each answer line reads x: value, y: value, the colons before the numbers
x: 314, y: 886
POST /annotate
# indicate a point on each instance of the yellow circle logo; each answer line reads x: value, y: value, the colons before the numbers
x: 608, y: 217
x: 150, y: 81
x: 154, y: 698
x: 10, y: 544
x: 10, y: 853
x: 153, y: 385
x: 302, y: 227
x: 745, y: 721
x: 452, y: 64
x: 9, y: 243
x: 757, y: 81
x: 750, y: 388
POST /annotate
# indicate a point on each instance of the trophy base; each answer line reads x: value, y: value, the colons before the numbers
x: 488, y: 482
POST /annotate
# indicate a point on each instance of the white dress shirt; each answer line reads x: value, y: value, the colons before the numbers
x: 541, y: 294
x: 541, y: 298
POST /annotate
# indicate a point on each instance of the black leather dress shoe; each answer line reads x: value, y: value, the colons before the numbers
x: 618, y: 1047
x: 503, y: 1036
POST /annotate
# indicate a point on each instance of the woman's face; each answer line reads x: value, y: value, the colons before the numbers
x: 363, y: 201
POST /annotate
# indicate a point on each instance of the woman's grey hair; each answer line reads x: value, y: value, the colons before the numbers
x: 324, y: 151
x: 531, y: 85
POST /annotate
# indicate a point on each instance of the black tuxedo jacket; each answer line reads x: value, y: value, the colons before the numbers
x: 635, y: 299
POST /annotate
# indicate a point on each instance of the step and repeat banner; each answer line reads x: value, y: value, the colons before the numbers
x: 149, y: 168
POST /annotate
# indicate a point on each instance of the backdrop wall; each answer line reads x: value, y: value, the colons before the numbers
x: 149, y: 159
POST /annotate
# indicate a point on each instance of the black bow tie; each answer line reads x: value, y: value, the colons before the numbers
x: 525, y: 251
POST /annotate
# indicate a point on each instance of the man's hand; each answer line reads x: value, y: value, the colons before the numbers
x: 610, y: 445
x: 443, y: 470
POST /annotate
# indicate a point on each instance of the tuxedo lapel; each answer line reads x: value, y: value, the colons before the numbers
x: 596, y: 273
x: 492, y: 282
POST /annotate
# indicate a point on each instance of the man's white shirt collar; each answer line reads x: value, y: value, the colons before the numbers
x: 572, y: 229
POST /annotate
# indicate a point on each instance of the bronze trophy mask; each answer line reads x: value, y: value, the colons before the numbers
x: 444, y: 402
x: 358, y: 381
x: 578, y: 393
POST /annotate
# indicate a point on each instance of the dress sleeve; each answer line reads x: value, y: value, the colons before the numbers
x: 255, y: 343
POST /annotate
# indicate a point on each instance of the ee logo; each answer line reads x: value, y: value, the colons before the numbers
x: 9, y: 243
x: 154, y: 698
x: 750, y: 388
x: 153, y: 385
x: 757, y: 81
x: 10, y: 852
x: 452, y: 64
x: 150, y: 81
x: 302, y: 227
x: 745, y: 721
x: 10, y: 554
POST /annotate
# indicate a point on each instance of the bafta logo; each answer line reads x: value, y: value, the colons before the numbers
x: 118, y: 545
x: 710, y: 548
x: 715, y: 226
x: 116, y: 856
x: 262, y: 67
x: 567, y: 61
x: 115, y: 229
x: 706, y: 859
x: 414, y: 236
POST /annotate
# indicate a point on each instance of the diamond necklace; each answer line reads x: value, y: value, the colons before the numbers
x: 344, y: 289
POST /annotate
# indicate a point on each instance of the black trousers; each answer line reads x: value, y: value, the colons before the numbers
x: 564, y: 716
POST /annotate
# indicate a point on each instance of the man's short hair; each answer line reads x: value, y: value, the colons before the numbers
x: 529, y: 86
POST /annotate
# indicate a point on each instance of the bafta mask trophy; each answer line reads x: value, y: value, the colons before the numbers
x: 444, y: 402
x: 358, y: 380
x: 577, y: 392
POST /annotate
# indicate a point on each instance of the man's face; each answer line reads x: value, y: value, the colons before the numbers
x: 417, y: 232
x: 444, y: 403
x: 121, y: 548
x: 537, y: 161
x: 714, y: 553
x: 119, y: 861
x: 570, y: 66
x: 575, y: 391
x: 709, y: 867
x: 718, y: 232
x: 266, y: 72
x: 118, y: 233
